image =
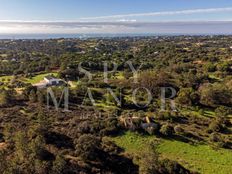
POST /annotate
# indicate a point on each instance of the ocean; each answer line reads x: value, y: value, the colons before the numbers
x: 84, y: 36
x: 56, y: 36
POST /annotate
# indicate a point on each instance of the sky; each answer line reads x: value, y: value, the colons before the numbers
x: 115, y: 16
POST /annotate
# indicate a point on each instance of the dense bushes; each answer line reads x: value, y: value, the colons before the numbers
x: 167, y: 130
x: 187, y: 97
x: 150, y: 163
x: 178, y: 130
x: 107, y: 126
x: 88, y: 147
x: 5, y: 98
x: 217, y: 125
x: 215, y: 95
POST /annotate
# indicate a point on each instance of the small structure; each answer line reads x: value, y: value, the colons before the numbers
x: 50, y: 80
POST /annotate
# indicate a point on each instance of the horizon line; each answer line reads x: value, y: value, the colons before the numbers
x: 66, y: 21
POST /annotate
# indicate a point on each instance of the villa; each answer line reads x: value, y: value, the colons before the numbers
x: 49, y: 81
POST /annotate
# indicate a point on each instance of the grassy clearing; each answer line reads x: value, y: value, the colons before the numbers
x: 73, y: 84
x: 119, y: 75
x: 201, y: 158
x: 209, y: 113
x: 133, y: 142
x: 204, y: 112
x: 212, y: 76
x: 3, y: 55
x: 104, y: 106
x: 38, y: 78
x: 6, y: 78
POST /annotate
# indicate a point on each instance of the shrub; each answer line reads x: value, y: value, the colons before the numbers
x: 215, y: 137
x: 222, y: 111
x: 211, y: 67
x: 150, y: 163
x: 84, y: 127
x: 5, y: 98
x: 215, y: 95
x: 152, y: 129
x: 164, y: 115
x: 59, y: 165
x: 178, y: 129
x: 167, y: 130
x: 88, y: 147
x: 170, y: 167
x: 216, y: 126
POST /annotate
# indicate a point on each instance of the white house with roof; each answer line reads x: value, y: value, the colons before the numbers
x: 51, y: 80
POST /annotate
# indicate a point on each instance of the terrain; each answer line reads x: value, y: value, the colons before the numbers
x: 117, y: 121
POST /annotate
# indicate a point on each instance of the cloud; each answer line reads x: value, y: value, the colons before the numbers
x: 164, y: 13
x: 126, y: 20
x: 122, y: 24
x: 32, y: 27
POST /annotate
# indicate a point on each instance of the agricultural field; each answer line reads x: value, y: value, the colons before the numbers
x: 201, y: 158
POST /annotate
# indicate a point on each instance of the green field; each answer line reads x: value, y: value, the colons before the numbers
x: 33, y: 80
x: 38, y: 78
x: 200, y: 158
x: 6, y: 78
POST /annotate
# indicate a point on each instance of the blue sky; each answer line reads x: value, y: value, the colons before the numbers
x: 75, y: 9
x: 97, y: 11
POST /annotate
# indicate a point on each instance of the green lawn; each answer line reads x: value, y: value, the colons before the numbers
x: 74, y: 84
x: 205, y: 112
x: 213, y: 76
x: 33, y: 80
x: 6, y: 78
x: 209, y: 113
x: 201, y: 158
x: 133, y: 142
x: 119, y: 75
x: 38, y: 78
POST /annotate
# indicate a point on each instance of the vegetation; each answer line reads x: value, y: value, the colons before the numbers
x: 117, y: 122
x: 201, y: 158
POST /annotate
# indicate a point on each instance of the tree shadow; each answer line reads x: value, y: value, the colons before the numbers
x: 59, y: 140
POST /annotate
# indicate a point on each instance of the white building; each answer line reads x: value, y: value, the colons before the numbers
x: 50, y: 80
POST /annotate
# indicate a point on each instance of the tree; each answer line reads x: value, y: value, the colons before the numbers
x: 32, y: 96
x: 28, y: 89
x: 167, y: 130
x: 8, y: 133
x: 21, y: 147
x: 222, y: 111
x: 211, y: 67
x: 88, y: 147
x: 149, y: 163
x: 59, y: 165
x: 215, y: 95
x: 184, y: 96
x: 5, y: 98
x: 43, y: 123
